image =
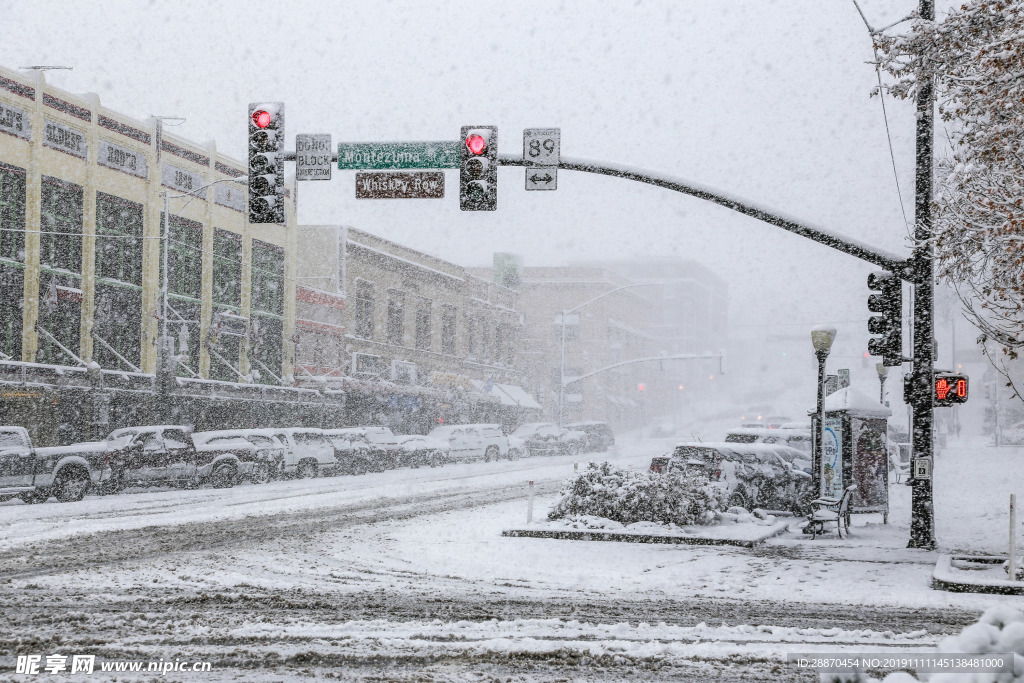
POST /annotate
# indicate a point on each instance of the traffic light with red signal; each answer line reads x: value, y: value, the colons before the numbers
x: 478, y: 168
x: 266, y: 162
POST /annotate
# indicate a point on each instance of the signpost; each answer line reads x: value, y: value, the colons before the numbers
x: 541, y: 155
x: 355, y: 156
x: 394, y: 185
x: 313, y: 157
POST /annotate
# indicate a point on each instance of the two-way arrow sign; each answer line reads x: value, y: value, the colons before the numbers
x: 541, y: 151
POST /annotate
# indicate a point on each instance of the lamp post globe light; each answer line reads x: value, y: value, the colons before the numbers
x: 822, y: 337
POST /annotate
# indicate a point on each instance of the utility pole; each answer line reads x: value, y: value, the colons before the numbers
x: 922, y: 516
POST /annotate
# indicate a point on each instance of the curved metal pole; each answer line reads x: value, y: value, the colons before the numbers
x: 892, y: 262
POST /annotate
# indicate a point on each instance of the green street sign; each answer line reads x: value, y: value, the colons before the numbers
x: 388, y: 155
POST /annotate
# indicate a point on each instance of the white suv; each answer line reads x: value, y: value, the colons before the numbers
x: 473, y: 442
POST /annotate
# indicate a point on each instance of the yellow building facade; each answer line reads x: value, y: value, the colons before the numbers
x: 82, y: 237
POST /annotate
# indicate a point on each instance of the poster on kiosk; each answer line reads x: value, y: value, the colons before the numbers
x: 855, y: 450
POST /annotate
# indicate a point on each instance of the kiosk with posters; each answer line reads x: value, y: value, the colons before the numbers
x: 855, y: 448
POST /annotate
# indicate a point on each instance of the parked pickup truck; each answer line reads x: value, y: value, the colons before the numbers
x: 35, y: 474
x: 166, y: 456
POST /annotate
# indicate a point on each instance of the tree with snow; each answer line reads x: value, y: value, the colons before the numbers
x: 976, y: 58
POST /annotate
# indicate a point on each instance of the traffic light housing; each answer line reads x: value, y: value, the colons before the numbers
x: 888, y: 302
x: 478, y: 168
x: 949, y: 389
x: 266, y: 162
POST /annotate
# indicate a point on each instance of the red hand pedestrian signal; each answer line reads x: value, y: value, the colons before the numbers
x: 949, y: 389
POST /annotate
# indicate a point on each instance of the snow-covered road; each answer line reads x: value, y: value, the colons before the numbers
x: 404, y: 575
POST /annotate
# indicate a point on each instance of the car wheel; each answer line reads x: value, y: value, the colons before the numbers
x: 34, y: 497
x: 491, y: 453
x: 262, y: 473
x: 71, y: 485
x: 573, y: 449
x: 359, y: 466
x: 223, y: 477
x: 514, y: 454
x: 307, y: 470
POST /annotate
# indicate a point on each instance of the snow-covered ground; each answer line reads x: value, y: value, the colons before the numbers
x: 407, y: 572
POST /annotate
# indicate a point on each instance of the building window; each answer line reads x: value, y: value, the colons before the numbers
x: 12, y: 294
x: 117, y: 321
x: 267, y: 278
x: 118, y: 239
x: 396, y: 318
x: 471, y: 333
x: 499, y: 342
x: 423, y: 324
x: 60, y: 222
x: 12, y: 213
x: 448, y: 330
x: 485, y: 339
x: 364, y: 309
x: 184, y: 258
x: 510, y: 347
x: 267, y: 339
x: 227, y: 268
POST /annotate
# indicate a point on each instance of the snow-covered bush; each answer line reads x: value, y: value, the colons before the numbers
x: 1000, y: 630
x: 627, y: 497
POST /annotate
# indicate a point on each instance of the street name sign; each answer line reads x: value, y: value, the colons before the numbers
x: 390, y: 155
x: 542, y: 153
x: 418, y: 185
x: 313, y: 156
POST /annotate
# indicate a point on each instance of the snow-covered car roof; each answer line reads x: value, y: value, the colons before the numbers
x: 765, y: 431
x: 741, y: 450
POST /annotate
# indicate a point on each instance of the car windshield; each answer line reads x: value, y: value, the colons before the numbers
x: 741, y: 438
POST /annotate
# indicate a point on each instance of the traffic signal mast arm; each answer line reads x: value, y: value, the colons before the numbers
x: 881, y: 258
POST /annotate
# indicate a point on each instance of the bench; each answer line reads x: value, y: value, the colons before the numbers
x: 828, y: 510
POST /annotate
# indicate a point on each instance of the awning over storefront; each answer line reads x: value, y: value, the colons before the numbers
x: 508, y: 394
x: 518, y: 396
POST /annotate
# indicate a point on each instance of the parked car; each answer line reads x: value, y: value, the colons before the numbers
x: 260, y: 457
x: 473, y: 441
x: 416, y: 450
x: 165, y: 455
x: 798, y: 439
x: 308, y: 452
x: 516, y: 447
x: 354, y: 451
x: 547, y: 438
x: 599, y: 435
x: 387, y: 444
x: 748, y: 475
x: 35, y: 474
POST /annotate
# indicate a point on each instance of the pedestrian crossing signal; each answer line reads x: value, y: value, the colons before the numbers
x: 949, y: 389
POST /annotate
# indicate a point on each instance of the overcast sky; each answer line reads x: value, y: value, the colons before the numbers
x: 764, y: 99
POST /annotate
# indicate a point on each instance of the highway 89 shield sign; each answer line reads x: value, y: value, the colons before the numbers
x: 542, y: 153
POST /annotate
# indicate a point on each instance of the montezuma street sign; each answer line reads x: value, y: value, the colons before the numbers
x: 419, y: 185
x: 388, y: 155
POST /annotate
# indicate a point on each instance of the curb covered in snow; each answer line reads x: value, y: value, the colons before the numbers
x: 707, y: 538
x: 974, y: 574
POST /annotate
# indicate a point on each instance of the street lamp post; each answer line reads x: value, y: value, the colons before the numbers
x: 822, y: 337
x: 561, y: 374
x: 883, y: 370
